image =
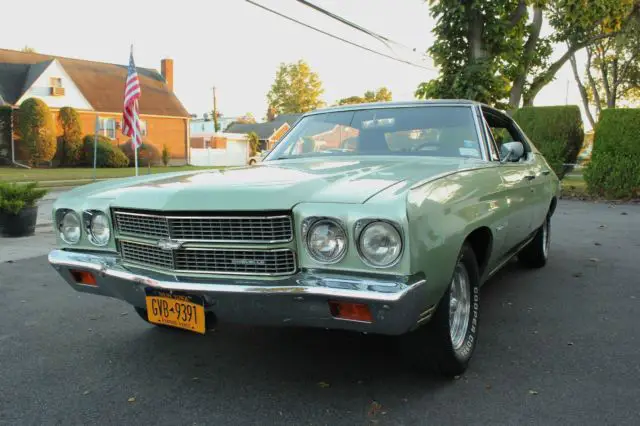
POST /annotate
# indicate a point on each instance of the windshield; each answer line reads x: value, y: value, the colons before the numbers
x: 442, y: 131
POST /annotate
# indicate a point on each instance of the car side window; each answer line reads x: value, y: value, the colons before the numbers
x: 504, y: 131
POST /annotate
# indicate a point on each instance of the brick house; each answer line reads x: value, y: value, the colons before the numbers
x: 97, y: 89
x: 268, y: 132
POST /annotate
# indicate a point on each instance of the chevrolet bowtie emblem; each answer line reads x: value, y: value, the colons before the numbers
x: 169, y: 244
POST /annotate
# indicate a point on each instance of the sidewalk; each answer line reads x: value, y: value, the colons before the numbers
x: 44, y: 240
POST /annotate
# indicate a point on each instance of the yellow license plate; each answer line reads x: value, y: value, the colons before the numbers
x: 176, y: 310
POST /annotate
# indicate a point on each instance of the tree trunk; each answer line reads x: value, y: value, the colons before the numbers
x: 614, y: 83
x: 592, y: 84
x: 515, y: 95
x: 545, y: 78
x: 583, y: 91
x: 474, y: 33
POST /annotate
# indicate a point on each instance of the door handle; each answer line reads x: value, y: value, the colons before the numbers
x: 530, y: 177
x: 546, y: 172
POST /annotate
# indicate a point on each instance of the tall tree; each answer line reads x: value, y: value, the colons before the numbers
x: 296, y: 89
x: 381, y: 95
x: 494, y: 51
x: 616, y: 65
x: 28, y: 49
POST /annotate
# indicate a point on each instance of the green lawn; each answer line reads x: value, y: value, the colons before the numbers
x: 574, y: 185
x: 74, y: 176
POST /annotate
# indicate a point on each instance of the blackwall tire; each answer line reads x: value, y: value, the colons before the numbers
x: 446, y: 344
x: 536, y: 253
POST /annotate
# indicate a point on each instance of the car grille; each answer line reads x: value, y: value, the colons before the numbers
x: 211, y: 260
x: 244, y: 229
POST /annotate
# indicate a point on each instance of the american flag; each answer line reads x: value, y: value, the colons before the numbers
x: 132, y: 93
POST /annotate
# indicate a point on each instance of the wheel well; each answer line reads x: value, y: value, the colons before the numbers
x: 481, y: 240
x: 552, y: 207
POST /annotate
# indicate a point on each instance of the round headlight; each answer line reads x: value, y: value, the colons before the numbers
x: 70, y: 228
x: 380, y: 244
x: 326, y: 241
x: 99, y: 229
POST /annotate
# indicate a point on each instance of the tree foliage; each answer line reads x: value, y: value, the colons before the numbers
x: 70, y: 140
x: 296, y: 89
x: 248, y: 118
x: 37, y: 131
x: 381, y: 95
x: 254, y: 143
x: 494, y: 51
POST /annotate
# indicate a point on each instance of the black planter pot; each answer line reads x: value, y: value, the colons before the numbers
x: 22, y: 224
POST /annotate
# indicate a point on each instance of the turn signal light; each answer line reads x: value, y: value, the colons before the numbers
x: 84, y: 277
x: 350, y: 311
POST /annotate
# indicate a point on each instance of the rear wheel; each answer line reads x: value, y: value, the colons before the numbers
x: 536, y: 253
x: 447, y: 342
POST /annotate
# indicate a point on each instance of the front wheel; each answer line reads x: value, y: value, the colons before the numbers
x: 536, y: 253
x: 448, y: 341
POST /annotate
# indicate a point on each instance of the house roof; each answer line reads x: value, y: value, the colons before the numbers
x: 264, y: 130
x: 101, y: 84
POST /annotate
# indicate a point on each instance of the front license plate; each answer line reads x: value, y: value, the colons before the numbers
x: 176, y: 310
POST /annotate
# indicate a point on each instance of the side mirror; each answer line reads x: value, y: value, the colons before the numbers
x: 511, y: 151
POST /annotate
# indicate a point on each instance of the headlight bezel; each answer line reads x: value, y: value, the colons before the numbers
x: 89, y: 216
x: 308, y: 226
x: 359, y: 229
x: 60, y: 217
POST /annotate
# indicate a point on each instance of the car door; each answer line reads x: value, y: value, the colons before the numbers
x: 517, y: 189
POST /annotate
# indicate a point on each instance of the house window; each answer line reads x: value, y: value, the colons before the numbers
x: 56, y: 82
x: 108, y: 127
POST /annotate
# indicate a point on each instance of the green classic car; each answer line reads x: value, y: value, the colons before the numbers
x: 377, y: 218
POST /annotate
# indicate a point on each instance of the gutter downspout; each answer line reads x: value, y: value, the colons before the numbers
x: 13, y: 147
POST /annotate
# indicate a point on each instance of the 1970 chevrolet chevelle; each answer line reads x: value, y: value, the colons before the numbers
x: 379, y: 218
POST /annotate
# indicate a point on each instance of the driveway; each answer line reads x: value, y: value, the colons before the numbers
x: 560, y: 345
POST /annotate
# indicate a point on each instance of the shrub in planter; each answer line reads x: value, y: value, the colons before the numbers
x: 18, y: 208
x: 557, y: 131
x: 36, y: 130
x: 614, y: 169
x: 109, y: 155
x: 148, y: 154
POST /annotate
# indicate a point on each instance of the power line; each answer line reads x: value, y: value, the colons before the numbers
x: 404, y: 61
x: 353, y: 25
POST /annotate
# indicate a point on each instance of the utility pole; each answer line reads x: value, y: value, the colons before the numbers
x: 215, y: 111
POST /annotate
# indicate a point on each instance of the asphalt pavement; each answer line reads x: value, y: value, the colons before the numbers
x: 559, y: 345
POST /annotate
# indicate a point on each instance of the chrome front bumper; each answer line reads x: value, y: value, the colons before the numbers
x: 397, y: 305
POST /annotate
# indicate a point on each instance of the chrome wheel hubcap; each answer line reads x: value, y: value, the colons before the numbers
x: 545, y: 238
x: 459, y: 306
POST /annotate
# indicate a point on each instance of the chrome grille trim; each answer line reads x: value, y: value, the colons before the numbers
x: 146, y: 254
x: 269, y: 229
x: 224, y: 261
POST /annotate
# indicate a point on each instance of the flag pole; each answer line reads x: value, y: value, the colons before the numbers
x: 135, y: 145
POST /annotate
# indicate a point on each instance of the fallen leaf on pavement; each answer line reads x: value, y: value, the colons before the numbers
x: 533, y: 392
x: 85, y: 393
x: 323, y: 384
x: 570, y: 343
x: 132, y: 399
x: 577, y: 274
x: 623, y: 213
x: 594, y: 260
x: 602, y: 226
x: 374, y: 408
x: 124, y: 313
x: 195, y: 379
x: 597, y: 244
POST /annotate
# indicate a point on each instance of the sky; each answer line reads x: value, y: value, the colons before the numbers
x: 237, y: 47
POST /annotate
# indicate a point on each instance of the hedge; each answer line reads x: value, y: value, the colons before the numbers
x: 109, y: 155
x: 557, y: 131
x: 70, y: 141
x: 37, y: 131
x: 148, y: 154
x: 614, y: 169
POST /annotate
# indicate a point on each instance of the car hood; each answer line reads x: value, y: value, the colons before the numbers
x: 276, y: 185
